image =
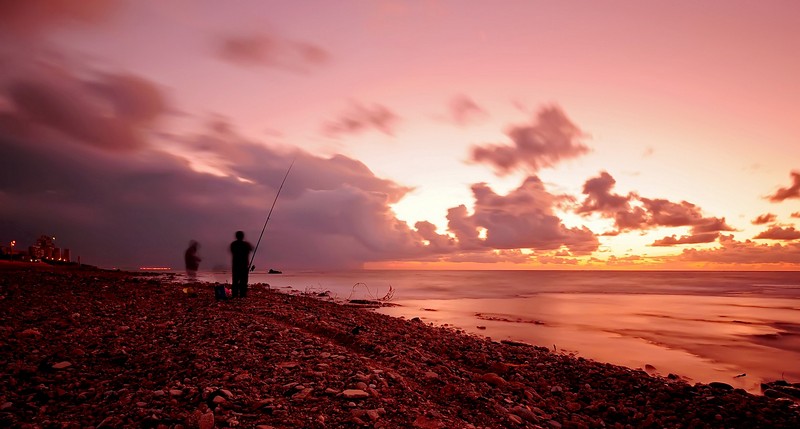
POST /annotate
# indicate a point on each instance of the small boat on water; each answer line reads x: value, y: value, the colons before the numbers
x: 271, y: 271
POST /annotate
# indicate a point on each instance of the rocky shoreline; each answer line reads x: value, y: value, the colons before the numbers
x: 105, y: 349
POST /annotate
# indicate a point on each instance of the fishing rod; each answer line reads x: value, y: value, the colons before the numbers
x: 253, y: 258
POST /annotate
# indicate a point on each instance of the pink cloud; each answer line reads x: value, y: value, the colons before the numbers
x: 633, y: 212
x: 792, y: 191
x: 708, y: 237
x: 523, y: 218
x: 779, y: 233
x: 514, y: 256
x: 460, y: 224
x: 556, y: 260
x: 764, y: 219
x: 620, y: 260
x: 361, y: 118
x: 711, y: 224
x: 600, y: 198
x: 796, y: 214
x: 744, y: 252
x: 548, y: 140
x: 437, y: 242
x: 667, y: 213
x: 270, y: 51
x: 464, y: 111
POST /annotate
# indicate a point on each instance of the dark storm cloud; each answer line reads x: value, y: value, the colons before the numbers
x: 270, y: 51
x: 29, y: 17
x: 549, y: 139
x: 764, y: 219
x: 109, y: 112
x: 246, y: 159
x: 732, y: 251
x: 142, y: 207
x: 523, y: 218
x: 132, y: 97
x: 708, y: 237
x: 359, y: 118
x: 792, y: 191
x: 633, y: 212
x: 779, y: 233
x: 463, y: 111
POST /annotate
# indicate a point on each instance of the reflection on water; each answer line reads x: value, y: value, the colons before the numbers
x: 705, y: 326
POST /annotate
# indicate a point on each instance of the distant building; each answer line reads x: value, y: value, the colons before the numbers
x: 45, y: 249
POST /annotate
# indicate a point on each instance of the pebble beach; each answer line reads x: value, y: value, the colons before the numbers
x: 105, y: 349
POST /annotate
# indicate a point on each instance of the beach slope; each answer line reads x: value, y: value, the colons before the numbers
x: 107, y: 349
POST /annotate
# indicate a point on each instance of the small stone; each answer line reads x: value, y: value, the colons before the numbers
x: 554, y: 424
x: 373, y: 415
x: 430, y: 375
x: 493, y: 379
x: 159, y: 393
x: 303, y: 394
x: 423, y: 422
x: 141, y: 404
x: 62, y: 365
x: 6, y: 406
x: 517, y: 420
x: 227, y: 393
x: 218, y: 399
x: 525, y: 414
x: 355, y: 394
x: 176, y: 392
x: 720, y: 385
x: 556, y: 389
x: 573, y: 406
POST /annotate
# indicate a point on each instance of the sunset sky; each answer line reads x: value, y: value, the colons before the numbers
x: 425, y: 134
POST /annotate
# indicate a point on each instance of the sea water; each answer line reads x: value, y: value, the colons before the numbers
x: 740, y: 328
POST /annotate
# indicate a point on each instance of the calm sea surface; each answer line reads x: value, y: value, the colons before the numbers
x: 703, y: 326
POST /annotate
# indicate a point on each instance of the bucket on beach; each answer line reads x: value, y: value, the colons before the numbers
x: 220, y: 292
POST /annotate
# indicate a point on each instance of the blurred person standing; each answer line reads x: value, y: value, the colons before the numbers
x: 192, y: 261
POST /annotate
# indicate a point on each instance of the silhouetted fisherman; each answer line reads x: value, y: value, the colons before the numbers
x: 240, y: 264
x: 192, y: 261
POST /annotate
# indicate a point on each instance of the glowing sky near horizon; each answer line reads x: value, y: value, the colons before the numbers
x: 684, y: 101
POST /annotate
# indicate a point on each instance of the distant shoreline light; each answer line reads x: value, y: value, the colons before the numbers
x: 155, y: 268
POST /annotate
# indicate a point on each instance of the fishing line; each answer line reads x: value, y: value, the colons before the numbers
x: 253, y: 258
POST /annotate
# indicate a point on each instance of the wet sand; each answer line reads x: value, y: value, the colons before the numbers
x: 107, y: 349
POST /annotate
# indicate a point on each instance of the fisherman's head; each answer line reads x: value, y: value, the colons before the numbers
x: 239, y: 235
